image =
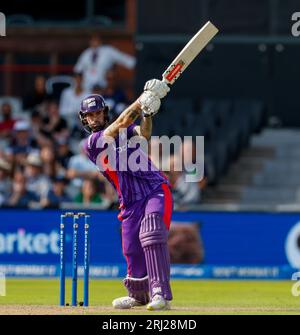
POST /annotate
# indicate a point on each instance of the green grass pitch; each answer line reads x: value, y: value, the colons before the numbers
x: 41, y: 296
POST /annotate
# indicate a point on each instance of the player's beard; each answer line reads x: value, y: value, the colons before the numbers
x: 101, y: 126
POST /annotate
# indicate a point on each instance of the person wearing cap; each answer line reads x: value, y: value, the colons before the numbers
x: 21, y: 144
x: 37, y: 182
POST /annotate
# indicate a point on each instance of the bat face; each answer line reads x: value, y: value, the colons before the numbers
x: 189, y: 52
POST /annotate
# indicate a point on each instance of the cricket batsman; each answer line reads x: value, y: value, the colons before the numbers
x: 145, y: 198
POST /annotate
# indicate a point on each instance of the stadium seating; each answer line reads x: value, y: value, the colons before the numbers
x: 56, y: 84
x: 227, y: 126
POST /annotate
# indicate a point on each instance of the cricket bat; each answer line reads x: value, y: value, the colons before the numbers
x: 197, y: 43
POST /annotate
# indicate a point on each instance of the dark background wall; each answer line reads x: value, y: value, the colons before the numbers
x: 254, y: 55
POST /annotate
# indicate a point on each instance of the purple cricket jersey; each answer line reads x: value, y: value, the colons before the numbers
x: 130, y: 185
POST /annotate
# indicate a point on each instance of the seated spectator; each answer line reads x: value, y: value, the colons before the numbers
x: 21, y: 144
x: 114, y: 96
x: 79, y: 168
x: 95, y: 61
x: 184, y: 193
x: 5, y: 182
x: 20, y: 197
x: 70, y: 100
x: 51, y: 167
x: 63, y: 153
x: 37, y: 183
x: 7, y: 121
x: 37, y: 122
x: 37, y: 125
x: 89, y: 193
x: 55, y: 126
x: 57, y: 194
x: 38, y: 96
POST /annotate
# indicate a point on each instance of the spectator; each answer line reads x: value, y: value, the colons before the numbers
x: 37, y: 183
x: 113, y: 95
x: 63, y: 153
x: 184, y: 193
x: 57, y: 194
x: 7, y: 122
x: 22, y: 144
x: 55, y: 126
x: 95, y: 61
x: 20, y: 196
x: 51, y: 167
x: 5, y: 182
x: 89, y: 193
x: 71, y: 98
x: 37, y: 124
x: 79, y: 168
x: 37, y: 97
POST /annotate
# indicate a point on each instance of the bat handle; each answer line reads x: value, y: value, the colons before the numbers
x: 165, y: 81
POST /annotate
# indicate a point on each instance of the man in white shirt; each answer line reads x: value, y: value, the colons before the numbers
x: 95, y: 61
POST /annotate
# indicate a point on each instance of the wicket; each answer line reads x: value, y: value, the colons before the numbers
x: 76, y: 218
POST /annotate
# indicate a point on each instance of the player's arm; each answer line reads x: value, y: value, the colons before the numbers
x: 160, y: 89
x: 130, y: 114
x: 146, y: 105
x: 145, y: 128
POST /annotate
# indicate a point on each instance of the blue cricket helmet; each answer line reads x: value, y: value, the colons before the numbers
x: 90, y: 104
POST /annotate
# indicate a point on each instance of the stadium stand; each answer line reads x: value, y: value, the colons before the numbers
x: 266, y: 173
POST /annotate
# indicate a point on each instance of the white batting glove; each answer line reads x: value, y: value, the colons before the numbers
x: 157, y: 87
x: 150, y: 103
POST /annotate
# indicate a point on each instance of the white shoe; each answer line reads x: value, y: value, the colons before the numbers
x: 158, y: 303
x: 125, y: 303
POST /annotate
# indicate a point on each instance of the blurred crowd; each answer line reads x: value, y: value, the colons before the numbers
x: 42, y: 161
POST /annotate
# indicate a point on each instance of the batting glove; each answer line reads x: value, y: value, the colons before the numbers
x: 150, y: 103
x: 157, y: 87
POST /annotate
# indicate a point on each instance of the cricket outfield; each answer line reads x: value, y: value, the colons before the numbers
x: 41, y: 296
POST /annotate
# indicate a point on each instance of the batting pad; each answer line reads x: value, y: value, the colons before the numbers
x: 153, y: 237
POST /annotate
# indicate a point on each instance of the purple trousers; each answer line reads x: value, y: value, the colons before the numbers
x: 160, y: 202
